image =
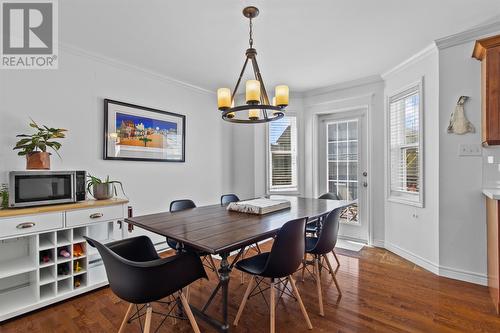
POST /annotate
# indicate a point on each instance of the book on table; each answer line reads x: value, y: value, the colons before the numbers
x: 259, y: 206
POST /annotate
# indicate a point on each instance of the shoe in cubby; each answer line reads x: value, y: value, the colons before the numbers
x: 79, y: 281
x: 64, y: 253
x: 64, y: 270
x: 46, y: 257
x: 79, y: 266
x: 79, y: 250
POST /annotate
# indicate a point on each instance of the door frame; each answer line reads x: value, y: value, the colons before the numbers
x: 364, y: 110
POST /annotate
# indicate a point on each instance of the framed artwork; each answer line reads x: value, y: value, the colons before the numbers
x: 138, y: 133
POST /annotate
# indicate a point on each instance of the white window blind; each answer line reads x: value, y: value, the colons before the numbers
x: 405, y: 148
x: 282, y: 138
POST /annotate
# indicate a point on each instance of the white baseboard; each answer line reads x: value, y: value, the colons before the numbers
x: 452, y: 273
x: 352, y: 239
x: 417, y: 260
x: 378, y: 243
x: 462, y: 275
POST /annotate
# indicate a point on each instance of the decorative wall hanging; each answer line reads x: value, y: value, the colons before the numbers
x: 459, y: 124
x: 133, y: 132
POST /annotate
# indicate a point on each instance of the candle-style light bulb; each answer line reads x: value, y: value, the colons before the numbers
x: 223, y: 98
x: 282, y: 94
x: 253, y: 114
x: 252, y: 91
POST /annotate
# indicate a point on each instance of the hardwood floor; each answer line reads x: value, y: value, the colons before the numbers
x: 381, y: 293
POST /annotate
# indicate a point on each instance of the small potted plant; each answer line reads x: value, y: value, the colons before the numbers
x: 34, y: 146
x: 4, y: 196
x: 103, y: 189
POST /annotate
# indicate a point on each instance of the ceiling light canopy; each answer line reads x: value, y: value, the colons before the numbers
x: 257, y: 109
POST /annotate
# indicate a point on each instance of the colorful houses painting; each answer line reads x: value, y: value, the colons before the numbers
x: 140, y: 131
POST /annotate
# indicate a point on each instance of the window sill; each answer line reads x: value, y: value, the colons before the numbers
x: 283, y: 192
x: 405, y: 201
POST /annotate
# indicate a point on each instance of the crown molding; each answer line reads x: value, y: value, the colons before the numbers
x: 480, y: 31
x: 129, y: 67
x: 430, y: 49
x: 343, y: 85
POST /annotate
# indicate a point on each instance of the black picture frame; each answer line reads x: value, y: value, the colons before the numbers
x: 106, y: 136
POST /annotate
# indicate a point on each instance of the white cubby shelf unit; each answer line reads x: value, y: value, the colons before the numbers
x: 41, y: 268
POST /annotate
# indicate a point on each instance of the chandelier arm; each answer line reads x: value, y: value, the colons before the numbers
x: 264, y: 112
x: 258, y: 76
x: 239, y: 79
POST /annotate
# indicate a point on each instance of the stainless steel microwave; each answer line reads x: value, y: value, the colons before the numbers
x: 37, y: 188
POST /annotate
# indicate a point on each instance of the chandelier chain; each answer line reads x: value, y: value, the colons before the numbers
x: 250, y: 40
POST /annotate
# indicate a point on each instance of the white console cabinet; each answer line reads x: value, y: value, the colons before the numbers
x: 33, y: 274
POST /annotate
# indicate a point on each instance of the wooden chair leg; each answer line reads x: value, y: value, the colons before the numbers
x: 189, y: 313
x: 258, y: 248
x: 318, y: 285
x: 333, y: 274
x: 272, y: 307
x: 172, y: 299
x: 125, y: 319
x: 336, y: 258
x: 304, y: 266
x: 299, y: 300
x: 147, y: 323
x: 213, y: 265
x: 187, y: 293
x: 244, y: 301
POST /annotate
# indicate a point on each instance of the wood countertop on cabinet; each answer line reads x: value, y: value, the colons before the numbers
x: 11, y: 212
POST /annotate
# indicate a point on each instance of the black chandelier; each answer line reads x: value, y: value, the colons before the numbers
x: 260, y: 110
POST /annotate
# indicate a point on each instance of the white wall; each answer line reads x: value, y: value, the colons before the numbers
x: 72, y: 98
x: 410, y: 231
x: 462, y: 213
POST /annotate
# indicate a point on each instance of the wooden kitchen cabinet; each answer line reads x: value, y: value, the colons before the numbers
x: 488, y: 52
x: 493, y: 249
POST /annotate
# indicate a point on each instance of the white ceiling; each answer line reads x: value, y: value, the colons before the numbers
x: 303, y: 43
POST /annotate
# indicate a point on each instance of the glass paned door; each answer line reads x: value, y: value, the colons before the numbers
x: 342, y: 163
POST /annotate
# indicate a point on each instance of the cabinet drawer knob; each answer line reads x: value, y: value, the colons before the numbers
x: 96, y: 215
x: 25, y: 225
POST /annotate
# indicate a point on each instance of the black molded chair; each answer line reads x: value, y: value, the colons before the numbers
x: 138, y: 275
x: 314, y: 227
x: 319, y: 247
x: 180, y: 205
x: 175, y: 206
x: 278, y: 266
x: 228, y: 198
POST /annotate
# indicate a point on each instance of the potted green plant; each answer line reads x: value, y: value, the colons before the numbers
x: 4, y: 196
x: 103, y: 189
x: 34, y: 146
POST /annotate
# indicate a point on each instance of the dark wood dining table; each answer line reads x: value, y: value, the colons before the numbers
x: 216, y: 230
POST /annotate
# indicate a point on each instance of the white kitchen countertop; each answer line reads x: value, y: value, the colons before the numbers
x: 492, y: 193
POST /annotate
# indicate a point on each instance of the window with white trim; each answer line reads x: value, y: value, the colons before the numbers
x: 405, y: 146
x: 282, y: 154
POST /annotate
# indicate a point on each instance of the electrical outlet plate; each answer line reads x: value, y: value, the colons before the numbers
x: 470, y: 150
